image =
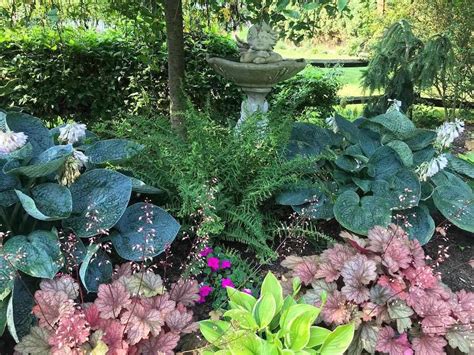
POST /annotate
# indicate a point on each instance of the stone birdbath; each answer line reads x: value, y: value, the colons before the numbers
x: 258, y: 70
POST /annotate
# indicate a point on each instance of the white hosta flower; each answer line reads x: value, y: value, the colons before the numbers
x: 81, y: 158
x: 448, y: 132
x: 396, y: 104
x: 331, y: 122
x: 432, y: 167
x: 72, y: 132
x: 11, y: 141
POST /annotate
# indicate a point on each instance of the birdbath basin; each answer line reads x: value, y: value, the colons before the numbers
x: 255, y: 80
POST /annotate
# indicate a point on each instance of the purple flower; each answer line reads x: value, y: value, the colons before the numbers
x: 213, y: 263
x: 227, y: 283
x: 247, y: 291
x: 204, y: 291
x: 226, y: 264
x: 206, y: 251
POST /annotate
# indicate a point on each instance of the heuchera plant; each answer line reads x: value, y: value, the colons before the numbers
x: 379, y: 170
x: 272, y: 325
x: 218, y: 269
x: 132, y: 315
x: 385, y: 287
x: 58, y: 182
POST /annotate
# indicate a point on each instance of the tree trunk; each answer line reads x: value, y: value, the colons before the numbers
x: 175, y: 43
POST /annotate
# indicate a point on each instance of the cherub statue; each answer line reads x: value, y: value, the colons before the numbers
x: 258, y: 49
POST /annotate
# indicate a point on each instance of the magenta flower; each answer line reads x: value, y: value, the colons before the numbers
x: 206, y: 251
x: 247, y: 291
x: 213, y: 263
x: 204, y: 291
x: 226, y: 264
x: 227, y: 283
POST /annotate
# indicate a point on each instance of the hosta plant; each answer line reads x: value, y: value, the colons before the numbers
x: 377, y: 170
x: 385, y: 287
x: 132, y: 315
x: 58, y: 183
x: 272, y: 325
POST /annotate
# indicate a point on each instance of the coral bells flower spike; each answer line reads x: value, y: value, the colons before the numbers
x: 213, y: 263
x: 226, y: 264
x: 72, y: 132
x: 11, y: 141
x: 227, y: 283
x: 206, y: 251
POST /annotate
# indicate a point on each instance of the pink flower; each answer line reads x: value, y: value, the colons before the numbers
x: 204, y: 291
x: 227, y: 283
x: 226, y: 264
x: 206, y: 251
x: 247, y: 291
x: 213, y: 263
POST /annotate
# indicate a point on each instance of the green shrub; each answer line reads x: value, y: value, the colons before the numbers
x: 272, y: 325
x: 91, y: 76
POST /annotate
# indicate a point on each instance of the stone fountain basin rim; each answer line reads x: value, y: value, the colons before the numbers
x: 252, y: 75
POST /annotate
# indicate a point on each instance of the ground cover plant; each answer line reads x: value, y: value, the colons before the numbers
x: 386, y: 285
x: 272, y: 324
x: 381, y: 169
x: 59, y: 205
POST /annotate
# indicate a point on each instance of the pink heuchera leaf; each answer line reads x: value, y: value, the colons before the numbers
x: 306, y: 270
x: 164, y: 343
x: 64, y: 283
x: 113, y: 337
x: 185, y: 292
x: 357, y: 273
x: 111, y: 299
x: 429, y: 345
x: 162, y: 303
x: 436, y: 315
x: 91, y: 314
x: 71, y: 332
x: 421, y: 277
x: 181, y: 320
x: 140, y: 321
x: 124, y: 269
x: 388, y: 342
x: 395, y: 284
x: 463, y: 309
x: 356, y: 292
x: 51, y: 306
x: 369, y: 311
x: 327, y: 271
x: 338, y: 255
x: 379, y: 238
x: 396, y: 256
x: 337, y: 310
x: 417, y: 253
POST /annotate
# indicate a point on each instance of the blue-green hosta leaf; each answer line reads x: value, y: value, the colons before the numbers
x: 298, y: 196
x: 395, y: 122
x: 427, y: 190
x: 38, y: 134
x: 99, y: 199
x: 369, y: 141
x: 310, y: 140
x: 140, y: 187
x: 48, y: 162
x: 384, y: 163
x: 37, y: 254
x: 3, y: 121
x: 19, y: 311
x: 425, y: 154
x: 8, y: 198
x: 364, y: 184
x: 403, y: 150
x: 7, y: 275
x: 348, y: 163
x: 403, y: 190
x: 112, y: 151
x: 319, y: 208
x: 359, y: 215
x: 3, y: 315
x: 348, y: 129
x: 420, y: 139
x: 460, y: 166
x: 96, y: 268
x: 7, y: 182
x: 456, y: 203
x: 48, y: 202
x: 136, y: 239
x: 417, y: 222
x: 25, y: 152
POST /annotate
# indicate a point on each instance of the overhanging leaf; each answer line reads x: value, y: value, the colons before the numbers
x: 96, y: 268
x: 384, y: 163
x: 19, y: 312
x: 112, y: 151
x: 403, y: 189
x: 456, y: 203
x: 418, y: 223
x: 403, y: 150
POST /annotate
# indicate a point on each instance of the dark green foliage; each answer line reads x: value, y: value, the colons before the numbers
x: 90, y: 77
x: 219, y: 183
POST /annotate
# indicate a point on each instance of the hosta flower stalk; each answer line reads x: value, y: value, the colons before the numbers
x: 448, y: 132
x: 432, y: 167
x: 11, y: 141
x: 72, y: 132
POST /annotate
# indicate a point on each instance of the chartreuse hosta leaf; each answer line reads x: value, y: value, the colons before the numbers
x: 299, y: 331
x: 37, y: 254
x: 19, y: 310
x: 214, y: 330
x: 317, y: 336
x: 338, y: 341
x: 99, y: 199
x: 112, y: 151
x: 360, y: 214
x: 46, y: 163
x: 242, y: 300
x: 264, y: 310
x: 151, y: 237
x: 271, y: 286
x: 96, y: 268
x: 48, y: 202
